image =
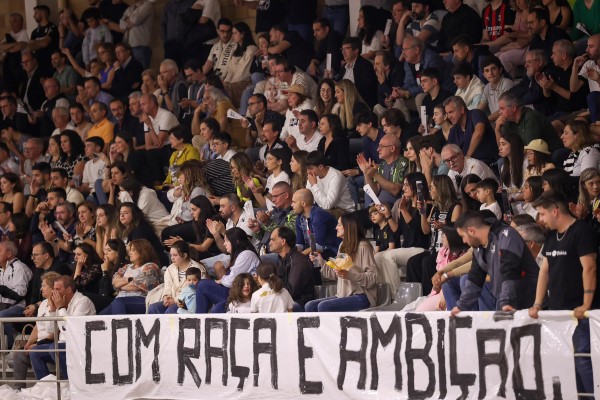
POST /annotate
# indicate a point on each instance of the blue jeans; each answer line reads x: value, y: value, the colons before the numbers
x: 159, y: 308
x: 143, y: 54
x: 583, y: 365
x: 13, y: 311
x: 100, y: 195
x: 210, y: 293
x: 451, y: 290
x: 332, y: 304
x: 486, y: 301
x: 355, y: 183
x: 593, y: 101
x: 339, y: 17
x: 126, y: 305
x: 249, y: 91
x: 209, y: 262
x: 39, y: 360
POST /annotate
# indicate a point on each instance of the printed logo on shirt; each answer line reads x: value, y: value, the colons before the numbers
x: 556, y: 253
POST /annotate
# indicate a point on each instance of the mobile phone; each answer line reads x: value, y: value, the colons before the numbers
x: 421, y: 197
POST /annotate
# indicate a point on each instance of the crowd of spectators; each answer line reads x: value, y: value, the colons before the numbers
x: 457, y: 147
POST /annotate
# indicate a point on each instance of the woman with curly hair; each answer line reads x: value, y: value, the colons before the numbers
x: 72, y: 158
x: 12, y: 191
x: 135, y: 280
x: 325, y: 100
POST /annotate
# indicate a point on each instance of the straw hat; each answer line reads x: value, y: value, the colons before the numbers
x: 538, y: 145
x: 298, y: 89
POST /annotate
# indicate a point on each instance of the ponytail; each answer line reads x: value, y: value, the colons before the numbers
x: 268, y: 272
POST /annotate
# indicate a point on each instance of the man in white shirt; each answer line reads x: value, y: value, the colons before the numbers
x: 587, y: 68
x: 309, y: 135
x: 94, y: 168
x: 497, y: 84
x: 221, y: 143
x: 328, y: 185
x: 60, y: 179
x: 14, y: 280
x: 65, y: 301
x: 221, y: 52
x: 158, y: 122
x: 461, y: 166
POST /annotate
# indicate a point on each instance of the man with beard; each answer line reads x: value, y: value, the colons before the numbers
x: 587, y: 68
x: 421, y: 23
x: 528, y: 89
x: 496, y: 16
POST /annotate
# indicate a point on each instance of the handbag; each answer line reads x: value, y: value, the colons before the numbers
x: 21, y: 341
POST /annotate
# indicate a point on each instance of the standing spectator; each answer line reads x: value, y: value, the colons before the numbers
x: 44, y: 38
x: 127, y: 77
x: 95, y: 34
x: 461, y: 19
x: 173, y: 28
x: 64, y: 74
x: 137, y: 23
x: 568, y: 275
x: 267, y: 13
x: 337, y: 11
x: 328, y: 41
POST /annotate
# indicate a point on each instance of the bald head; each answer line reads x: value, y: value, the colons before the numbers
x: 304, y: 195
x: 593, y: 47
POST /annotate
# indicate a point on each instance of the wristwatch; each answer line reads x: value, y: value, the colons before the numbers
x: 445, y: 275
x: 55, y: 241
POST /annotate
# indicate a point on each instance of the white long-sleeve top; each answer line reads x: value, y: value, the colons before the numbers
x: 78, y: 306
x: 290, y: 127
x: 15, y: 275
x: 238, y: 68
x: 332, y: 191
x: 246, y: 261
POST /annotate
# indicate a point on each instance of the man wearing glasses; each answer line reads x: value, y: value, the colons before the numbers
x: 461, y: 166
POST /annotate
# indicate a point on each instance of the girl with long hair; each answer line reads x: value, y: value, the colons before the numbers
x: 560, y: 13
x: 588, y: 205
x: 136, y: 160
x: 72, y: 157
x: 20, y: 234
x: 240, y: 294
x: 512, y: 171
x: 243, y: 259
x: 348, y: 104
x: 12, y: 191
x: 147, y: 200
x: 53, y: 151
x: 134, y: 226
x: 558, y: 181
x: 325, y: 100
x: 532, y: 190
x: 88, y: 271
x: 468, y: 192
x: 412, y: 153
x: 272, y: 297
x: 242, y: 175
x: 368, y: 32
x: 356, y: 284
x: 182, y: 255
x: 236, y: 76
x: 405, y: 221
x: 115, y: 257
x: 206, y: 131
x: 133, y: 281
x: 107, y: 225
x: 446, y: 208
x: 333, y: 145
x: 204, y: 242
x: 277, y: 163
x: 299, y: 170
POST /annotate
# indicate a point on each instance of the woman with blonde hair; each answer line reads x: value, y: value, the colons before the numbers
x: 243, y: 177
x: 349, y: 103
x: 588, y: 203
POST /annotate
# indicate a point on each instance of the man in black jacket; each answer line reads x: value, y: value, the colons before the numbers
x: 128, y: 76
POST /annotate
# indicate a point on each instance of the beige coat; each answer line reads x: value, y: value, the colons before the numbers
x: 173, y: 286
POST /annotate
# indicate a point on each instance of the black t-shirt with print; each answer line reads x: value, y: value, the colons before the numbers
x: 565, y: 283
x: 384, y: 236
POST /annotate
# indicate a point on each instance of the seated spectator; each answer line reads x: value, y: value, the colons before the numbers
x: 12, y: 192
x: 328, y: 185
x: 270, y: 135
x: 298, y: 100
x: 258, y: 117
x: 59, y: 179
x: 221, y: 52
x: 357, y: 70
x: 85, y: 231
x: 94, y: 93
x: 60, y: 119
x: 326, y: 99
x: 356, y: 287
x: 299, y: 171
x: 461, y: 166
x: 528, y: 123
x: 544, y: 34
x: 53, y: 152
x: 182, y: 261
x: 497, y: 84
x: 421, y: 22
x: 496, y: 17
x: 313, y: 220
x: 13, y: 116
x: 486, y: 190
x: 279, y: 214
x: 182, y: 152
x: 146, y: 199
x: 13, y: 286
x: 218, y: 176
x: 43, y: 331
x: 186, y: 301
x: 243, y: 259
x: 272, y: 297
x: 468, y: 192
x: 240, y: 295
x: 204, y: 131
x: 333, y: 145
x: 430, y: 159
x: 368, y: 32
x: 576, y: 137
x: 215, y: 104
x: 558, y: 181
x: 286, y: 75
x: 471, y: 130
x: 290, y: 45
x: 389, y: 75
x: 309, y: 136
x: 88, y: 271
x: 101, y: 127
x: 512, y: 171
x: 587, y: 66
x: 460, y: 20
x: 243, y: 177
x: 135, y: 280
x: 107, y: 223
x: 277, y: 165
x: 470, y: 88
x: 348, y: 104
x: 6, y: 162
x: 72, y: 158
x: 128, y: 74
x: 53, y: 99
x: 65, y: 217
x: 236, y: 75
x: 386, y: 178
x: 532, y: 190
x: 94, y: 167
x: 328, y: 41
x: 80, y: 124
x: 538, y: 158
x: 221, y: 144
x: 585, y: 16
x: 133, y: 226
x: 587, y: 202
x: 65, y: 301
x: 172, y: 87
x: 38, y: 187
x: 465, y: 51
x: 434, y: 93
x: 392, y: 121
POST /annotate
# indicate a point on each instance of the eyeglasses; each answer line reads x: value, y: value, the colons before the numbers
x: 274, y: 196
x: 33, y: 255
x: 408, y: 48
x: 451, y: 160
x: 384, y: 146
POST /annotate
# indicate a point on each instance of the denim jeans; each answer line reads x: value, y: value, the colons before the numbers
x: 355, y: 183
x: 249, y: 91
x: 13, y: 311
x: 210, y: 293
x: 451, y: 290
x: 332, y: 304
x: 143, y: 54
x: 126, y: 305
x: 100, y: 195
x: 159, y: 308
x: 39, y: 360
x: 583, y: 365
x: 339, y: 17
x: 593, y: 101
x: 486, y: 301
x: 209, y: 263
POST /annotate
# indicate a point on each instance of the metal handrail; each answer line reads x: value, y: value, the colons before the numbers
x: 4, y: 351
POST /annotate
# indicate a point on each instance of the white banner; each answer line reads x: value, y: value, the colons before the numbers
x: 594, y: 317
x: 337, y: 355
